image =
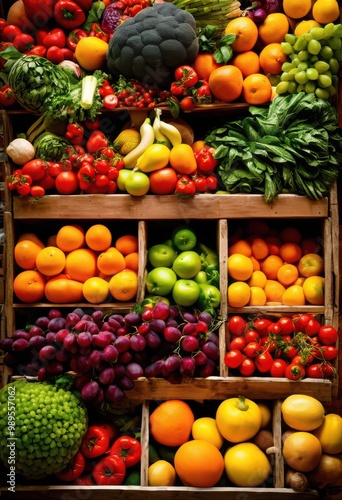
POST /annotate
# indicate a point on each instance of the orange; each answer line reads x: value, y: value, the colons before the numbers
x: 274, y: 28
x: 259, y: 248
x: 95, y: 290
x: 61, y: 289
x: 111, y: 261
x: 199, y: 464
x: 204, y: 65
x: 256, y: 89
x: 70, y: 237
x: 313, y: 289
x: 225, y: 83
x: 290, y: 252
x: 247, y: 62
x: 272, y: 58
x: 31, y: 237
x: 29, y: 286
x: 256, y: 264
x: 197, y: 146
x: 274, y: 291
x: 294, y: 296
x: 296, y: 9
x: 90, y: 53
x: 98, y: 237
x: 52, y: 240
x: 80, y: 264
x: 182, y: 159
x: 161, y: 473
x: 270, y: 266
x: 50, y: 261
x: 325, y: 11
x: 274, y: 244
x: 132, y: 261
x: 127, y: 244
x: 240, y: 267
x: 257, y: 296
x: 25, y: 253
x: 287, y: 274
x: 241, y: 246
x: 171, y: 422
x: 124, y: 285
x: 291, y: 234
x: 258, y: 278
x: 239, y: 294
x: 246, y: 32
x: 302, y: 451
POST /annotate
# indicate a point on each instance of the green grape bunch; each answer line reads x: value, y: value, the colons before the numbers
x: 313, y: 61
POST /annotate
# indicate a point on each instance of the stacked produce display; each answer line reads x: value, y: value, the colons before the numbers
x: 168, y: 352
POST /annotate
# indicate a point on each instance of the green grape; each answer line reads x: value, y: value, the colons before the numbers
x: 321, y: 66
x: 329, y: 30
x: 334, y: 66
x: 295, y: 61
x: 314, y: 47
x: 338, y: 30
x: 303, y: 55
x: 312, y: 73
x: 287, y: 66
x: 290, y: 38
x: 338, y: 55
x: 292, y: 88
x: 300, y: 44
x: 274, y: 79
x: 317, y: 33
x: 286, y: 48
x: 294, y: 71
x: 301, y: 88
x: 301, y: 77
x: 326, y: 52
x: 332, y: 90
x: 322, y: 93
x: 310, y: 87
x: 324, y: 81
x: 313, y: 59
x: 282, y: 87
x: 286, y: 77
x: 307, y: 36
x: 303, y: 66
x: 335, y: 43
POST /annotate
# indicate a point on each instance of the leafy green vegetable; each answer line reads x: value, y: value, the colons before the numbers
x: 50, y: 146
x: 293, y: 146
x: 210, y: 40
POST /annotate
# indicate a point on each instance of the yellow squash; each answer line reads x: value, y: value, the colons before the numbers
x: 238, y: 419
x: 154, y: 158
x: 302, y: 413
x: 330, y: 434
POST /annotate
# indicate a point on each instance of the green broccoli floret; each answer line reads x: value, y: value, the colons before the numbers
x: 150, y: 45
x: 41, y: 427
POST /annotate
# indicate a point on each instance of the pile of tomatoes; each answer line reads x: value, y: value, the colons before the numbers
x: 293, y: 347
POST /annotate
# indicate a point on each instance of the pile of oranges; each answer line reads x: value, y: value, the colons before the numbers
x: 76, y: 265
x: 275, y: 269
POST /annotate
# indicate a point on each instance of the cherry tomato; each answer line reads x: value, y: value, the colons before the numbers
x: 24, y: 189
x: 95, y: 442
x: 315, y: 370
x: 238, y: 343
x: 110, y: 101
x: 187, y: 103
x: 328, y: 335
x: 312, y: 327
x: 163, y: 181
x: 252, y: 349
x: 110, y: 470
x: 261, y: 326
x: 286, y: 325
x: 247, y: 367
x: 328, y: 370
x: 294, y: 371
x: 233, y: 358
x: 128, y: 448
x: 35, y: 168
x: 300, y: 321
x: 327, y: 352
x: 303, y: 359
x: 290, y: 351
x: 37, y: 191
x: 73, y: 469
x: 187, y: 75
x: 236, y: 325
x: 251, y: 335
x: 264, y: 362
x: 278, y: 367
x: 67, y: 182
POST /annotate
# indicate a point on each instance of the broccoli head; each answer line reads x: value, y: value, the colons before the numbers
x: 150, y: 45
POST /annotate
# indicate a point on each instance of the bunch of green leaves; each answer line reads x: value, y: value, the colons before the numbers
x: 210, y: 40
x: 292, y: 146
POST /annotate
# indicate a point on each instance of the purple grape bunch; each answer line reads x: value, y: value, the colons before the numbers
x: 108, y: 353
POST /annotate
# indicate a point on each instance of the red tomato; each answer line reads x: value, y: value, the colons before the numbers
x: 286, y: 325
x: 37, y: 191
x: 110, y: 101
x: 66, y: 182
x: 74, y: 468
x: 247, y: 367
x: 278, y: 367
x: 236, y: 325
x: 328, y: 335
x: 128, y: 448
x: 110, y: 470
x: 237, y: 343
x: 95, y: 442
x: 187, y: 75
x: 251, y: 336
x: 261, y: 326
x: 312, y: 327
x: 328, y: 352
x: 163, y: 181
x: 294, y: 371
x: 35, y: 168
x: 233, y: 358
x: 187, y: 103
x: 300, y: 321
x: 264, y: 362
x: 315, y: 370
x: 252, y: 349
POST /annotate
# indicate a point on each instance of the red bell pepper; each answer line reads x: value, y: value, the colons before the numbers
x: 73, y: 469
x: 205, y: 159
x: 56, y: 37
x: 128, y: 448
x: 7, y: 96
x: 68, y: 14
x: 74, y: 37
x: 110, y: 470
x: 185, y: 187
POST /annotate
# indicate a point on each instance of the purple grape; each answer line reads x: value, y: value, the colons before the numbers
x: 208, y: 369
x: 157, y: 325
x: 174, y: 312
x: 87, y: 317
x: 93, y: 328
x: 122, y: 343
x: 97, y: 316
x: 144, y: 328
x: 154, y: 369
x: 119, y: 370
x: 175, y: 378
x: 122, y: 330
x: 54, y: 368
x: 20, y: 345
x: 110, y: 353
x: 107, y: 376
x: 137, y: 342
x: 74, y: 365
x: 81, y: 380
x: 272, y: 6
x: 56, y: 323
x: 200, y: 358
x: 79, y: 311
x: 189, y: 317
x: 35, y: 330
x: 69, y: 341
x: 140, y: 358
x: 94, y: 358
x: 105, y: 327
x: 47, y: 353
x: 171, y: 322
x: 41, y: 374
x: 42, y: 322
x: 117, y: 317
x: 20, y: 334
x: 71, y: 320
x: 37, y: 342
x: 82, y: 363
x: 61, y: 334
x: 102, y: 339
x: 125, y: 357
x: 81, y: 326
x: 211, y: 350
x: 189, y: 328
x: 125, y: 383
x: 84, y: 339
x: 89, y: 390
x: 10, y: 360
x: 132, y: 319
x: 50, y: 337
x: 113, y: 394
x: 258, y: 15
x: 172, y: 363
x: 205, y: 316
x: 62, y: 355
x: 161, y: 310
x: 133, y: 371
x: 54, y: 313
x: 153, y: 340
x: 98, y: 399
x: 212, y: 337
x: 172, y: 334
x: 187, y: 366
x: 189, y: 343
x: 6, y: 344
x: 32, y: 369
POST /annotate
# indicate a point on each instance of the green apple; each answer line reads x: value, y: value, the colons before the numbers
x: 123, y: 174
x: 161, y: 255
x: 186, y: 292
x: 187, y: 264
x: 137, y: 183
x: 184, y: 238
x: 160, y: 281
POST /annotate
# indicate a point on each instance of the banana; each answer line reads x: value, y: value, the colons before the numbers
x: 171, y: 132
x: 159, y: 137
x: 147, y: 139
